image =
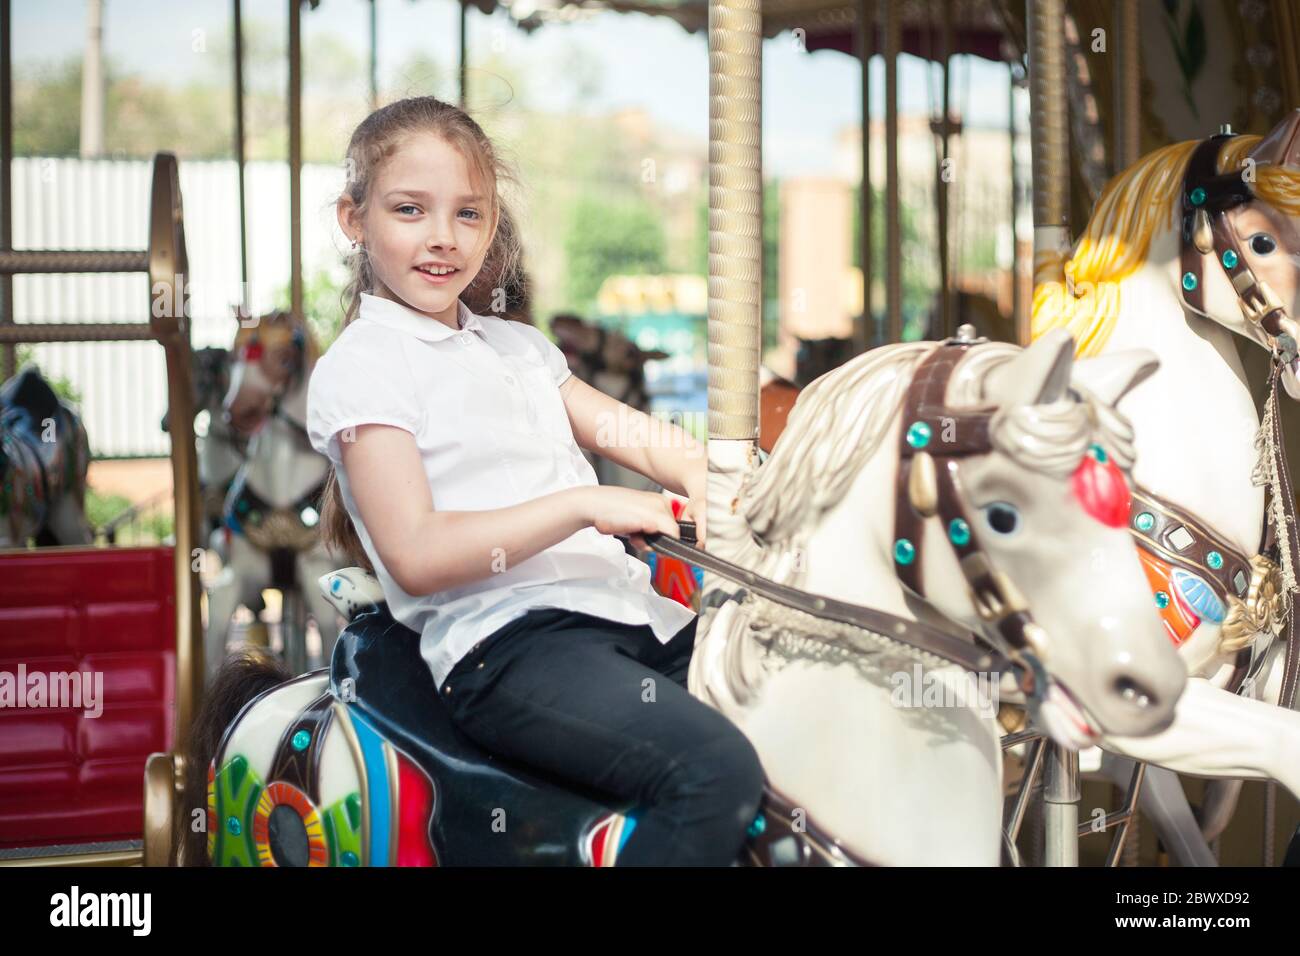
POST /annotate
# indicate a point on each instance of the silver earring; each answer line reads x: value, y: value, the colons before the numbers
x: 354, y: 243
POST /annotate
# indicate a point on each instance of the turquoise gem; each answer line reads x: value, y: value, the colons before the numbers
x: 1145, y: 521
x: 301, y: 739
x: 1162, y: 600
x: 1229, y: 259
x: 232, y: 824
x: 757, y: 827
x: 1214, y: 560
x: 1097, y: 452
x: 1197, y: 196
x: 1189, y: 281
x: 959, y: 532
x: 349, y: 858
x: 904, y: 551
x: 918, y: 436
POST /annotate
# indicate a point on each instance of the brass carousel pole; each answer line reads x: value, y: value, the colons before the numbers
x: 865, y: 40
x: 1019, y: 321
x: 893, y: 223
x: 735, y: 272
x: 8, y: 359
x: 240, y: 158
x: 374, y: 56
x: 1049, y: 131
x: 460, y: 52
x: 1128, y: 108
x: 295, y: 157
x: 941, y: 184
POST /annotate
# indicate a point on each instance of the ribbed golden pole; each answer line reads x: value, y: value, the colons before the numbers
x: 735, y: 217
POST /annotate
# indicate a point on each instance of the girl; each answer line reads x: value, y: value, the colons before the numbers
x: 459, y: 481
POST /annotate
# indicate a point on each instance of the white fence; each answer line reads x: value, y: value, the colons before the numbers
x: 104, y: 204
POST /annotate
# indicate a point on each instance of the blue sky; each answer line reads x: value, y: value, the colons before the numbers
x: 648, y: 62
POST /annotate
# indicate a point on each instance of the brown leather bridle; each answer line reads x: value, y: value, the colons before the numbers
x: 934, y: 439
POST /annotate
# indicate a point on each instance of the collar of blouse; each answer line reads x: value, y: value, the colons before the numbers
x: 398, y: 316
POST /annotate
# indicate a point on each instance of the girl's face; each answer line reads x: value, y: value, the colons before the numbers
x: 424, y: 215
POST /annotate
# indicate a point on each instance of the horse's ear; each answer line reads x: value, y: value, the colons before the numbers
x: 1281, y: 147
x: 1039, y: 375
x: 1110, y: 377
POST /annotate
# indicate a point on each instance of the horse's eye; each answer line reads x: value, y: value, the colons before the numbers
x: 1002, y: 517
x: 1262, y: 244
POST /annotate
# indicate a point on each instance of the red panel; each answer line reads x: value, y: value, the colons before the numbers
x: 67, y: 776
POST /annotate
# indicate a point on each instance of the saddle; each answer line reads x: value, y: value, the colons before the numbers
x: 377, y: 669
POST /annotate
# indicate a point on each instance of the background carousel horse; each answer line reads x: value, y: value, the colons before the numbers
x: 1182, y: 254
x: 1031, y: 508
x: 44, y: 458
x: 361, y: 766
x: 609, y: 361
x: 220, y: 449
x: 273, y: 505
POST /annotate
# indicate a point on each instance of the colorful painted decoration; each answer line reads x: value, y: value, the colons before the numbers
x: 1178, y: 616
x: 1102, y: 489
x: 610, y: 834
x: 1200, y: 598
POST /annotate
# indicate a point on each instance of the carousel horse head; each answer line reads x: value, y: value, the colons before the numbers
x: 1008, y: 514
x: 1221, y: 219
x: 269, y: 358
x: 604, y: 358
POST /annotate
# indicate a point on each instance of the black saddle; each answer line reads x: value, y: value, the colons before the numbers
x: 546, y: 822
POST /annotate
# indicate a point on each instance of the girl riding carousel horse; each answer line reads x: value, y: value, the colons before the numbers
x: 458, y: 480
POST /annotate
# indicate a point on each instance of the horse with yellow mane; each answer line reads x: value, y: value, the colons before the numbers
x: 1193, y: 244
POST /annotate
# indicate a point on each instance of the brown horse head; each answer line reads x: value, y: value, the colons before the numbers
x: 272, y: 355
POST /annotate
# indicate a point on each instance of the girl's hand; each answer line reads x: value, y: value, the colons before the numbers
x: 697, y: 493
x: 613, y: 510
x: 695, y: 511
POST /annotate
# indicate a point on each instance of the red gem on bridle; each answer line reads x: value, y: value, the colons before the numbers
x: 1101, y: 488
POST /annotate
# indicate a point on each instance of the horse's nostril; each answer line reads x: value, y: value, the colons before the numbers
x: 1134, y: 693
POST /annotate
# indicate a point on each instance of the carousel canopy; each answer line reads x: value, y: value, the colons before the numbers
x: 979, y: 28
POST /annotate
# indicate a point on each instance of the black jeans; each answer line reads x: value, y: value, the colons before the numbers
x: 605, y: 704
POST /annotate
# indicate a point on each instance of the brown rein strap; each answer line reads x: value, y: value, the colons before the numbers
x: 914, y: 633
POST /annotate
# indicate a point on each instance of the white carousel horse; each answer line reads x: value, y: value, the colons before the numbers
x: 273, y: 506
x: 923, y: 786
x: 1178, y: 260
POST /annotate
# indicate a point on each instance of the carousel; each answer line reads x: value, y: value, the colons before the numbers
x: 1081, y: 570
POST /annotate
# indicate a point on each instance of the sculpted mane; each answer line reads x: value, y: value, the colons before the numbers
x: 839, y: 420
x: 1082, y: 293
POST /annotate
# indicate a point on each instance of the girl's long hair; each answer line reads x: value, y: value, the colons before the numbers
x: 378, y: 136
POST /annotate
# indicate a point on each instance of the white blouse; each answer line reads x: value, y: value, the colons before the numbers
x: 485, y: 408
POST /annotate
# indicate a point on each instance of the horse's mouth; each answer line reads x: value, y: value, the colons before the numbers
x: 1067, y: 720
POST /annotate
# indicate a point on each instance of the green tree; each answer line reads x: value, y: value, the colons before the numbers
x: 918, y: 290
x: 606, y: 239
